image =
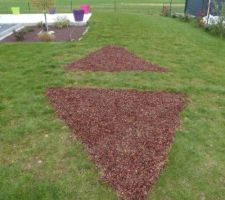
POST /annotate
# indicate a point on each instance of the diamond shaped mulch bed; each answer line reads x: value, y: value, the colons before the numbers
x: 127, y: 133
x: 112, y: 58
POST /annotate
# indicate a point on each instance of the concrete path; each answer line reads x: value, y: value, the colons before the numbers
x: 7, y: 29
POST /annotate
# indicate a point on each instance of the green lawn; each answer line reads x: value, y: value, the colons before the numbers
x: 65, y: 5
x: 38, y: 157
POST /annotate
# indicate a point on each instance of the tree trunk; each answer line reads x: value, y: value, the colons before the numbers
x: 46, y: 22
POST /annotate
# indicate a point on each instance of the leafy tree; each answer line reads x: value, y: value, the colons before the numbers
x: 44, y: 6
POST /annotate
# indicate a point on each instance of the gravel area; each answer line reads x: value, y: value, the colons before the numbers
x: 127, y: 133
x: 113, y: 58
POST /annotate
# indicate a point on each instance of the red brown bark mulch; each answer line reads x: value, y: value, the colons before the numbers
x: 113, y: 58
x: 64, y: 34
x: 127, y: 133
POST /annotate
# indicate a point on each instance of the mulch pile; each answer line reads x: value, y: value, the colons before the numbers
x: 113, y: 58
x: 127, y: 133
x: 64, y: 34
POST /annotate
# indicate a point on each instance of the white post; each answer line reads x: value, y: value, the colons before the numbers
x: 208, y: 11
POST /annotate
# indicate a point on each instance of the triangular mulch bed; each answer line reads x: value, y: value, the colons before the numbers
x: 127, y: 133
x: 113, y: 58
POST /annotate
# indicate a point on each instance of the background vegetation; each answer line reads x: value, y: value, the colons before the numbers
x: 140, y: 6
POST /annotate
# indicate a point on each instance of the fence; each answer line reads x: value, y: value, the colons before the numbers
x: 137, y: 6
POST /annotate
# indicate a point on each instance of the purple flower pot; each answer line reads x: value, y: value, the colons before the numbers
x: 52, y: 11
x: 78, y: 15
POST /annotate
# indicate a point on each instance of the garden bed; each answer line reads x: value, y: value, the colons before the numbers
x: 127, y: 133
x: 113, y: 58
x: 63, y: 34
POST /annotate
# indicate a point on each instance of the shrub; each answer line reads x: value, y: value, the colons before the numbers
x: 215, y: 29
x: 46, y: 36
x: 187, y: 18
x: 165, y: 11
x: 19, y: 35
x: 199, y: 19
x: 61, y: 22
x: 28, y: 29
x: 174, y: 15
x: 218, y: 28
x: 39, y: 24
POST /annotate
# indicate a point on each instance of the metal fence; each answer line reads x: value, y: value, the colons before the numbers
x: 137, y: 6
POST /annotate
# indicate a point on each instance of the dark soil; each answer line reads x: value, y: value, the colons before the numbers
x: 127, y: 133
x: 112, y: 58
x: 64, y: 34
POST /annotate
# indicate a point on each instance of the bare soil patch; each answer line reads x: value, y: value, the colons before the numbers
x: 127, y: 133
x: 113, y: 58
x: 64, y: 34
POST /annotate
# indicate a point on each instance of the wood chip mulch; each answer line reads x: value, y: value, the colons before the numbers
x: 127, y: 133
x: 113, y: 58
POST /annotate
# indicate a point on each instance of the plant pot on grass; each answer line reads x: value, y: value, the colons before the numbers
x: 78, y: 15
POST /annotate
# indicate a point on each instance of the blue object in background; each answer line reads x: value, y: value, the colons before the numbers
x: 200, y: 7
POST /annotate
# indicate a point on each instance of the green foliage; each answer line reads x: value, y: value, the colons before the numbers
x: 215, y: 29
x: 28, y: 29
x: 19, y: 35
x: 199, y: 20
x: 219, y: 28
x: 39, y: 24
x: 166, y: 12
x: 43, y: 5
x: 61, y: 22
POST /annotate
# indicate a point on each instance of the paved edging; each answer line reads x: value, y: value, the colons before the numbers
x: 9, y: 31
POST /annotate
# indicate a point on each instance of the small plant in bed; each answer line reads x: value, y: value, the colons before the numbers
x: 39, y: 24
x: 28, y: 29
x: 19, y: 35
x: 61, y: 22
x: 45, y: 36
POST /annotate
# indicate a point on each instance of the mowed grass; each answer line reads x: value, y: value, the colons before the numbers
x: 143, y: 6
x: 38, y: 157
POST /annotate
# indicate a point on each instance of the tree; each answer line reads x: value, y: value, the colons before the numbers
x: 44, y: 6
